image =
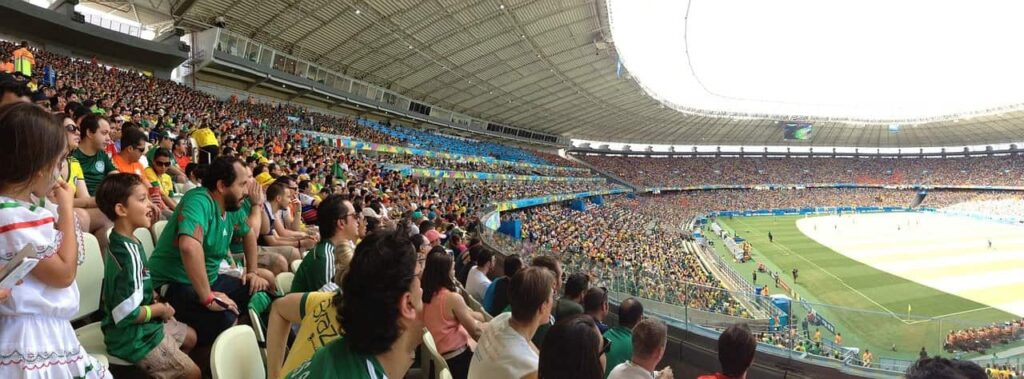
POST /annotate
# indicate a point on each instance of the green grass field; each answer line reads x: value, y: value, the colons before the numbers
x: 867, y: 306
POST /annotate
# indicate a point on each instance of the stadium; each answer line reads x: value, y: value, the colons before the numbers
x: 510, y: 189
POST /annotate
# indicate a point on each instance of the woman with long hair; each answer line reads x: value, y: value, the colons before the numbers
x: 573, y: 348
x: 448, y: 319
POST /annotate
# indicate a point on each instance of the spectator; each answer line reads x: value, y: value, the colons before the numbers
x: 280, y: 244
x: 595, y: 304
x: 575, y: 350
x: 85, y: 205
x: 554, y: 268
x: 194, y: 172
x: 446, y: 315
x: 209, y: 146
x: 95, y: 136
x: 571, y: 303
x: 189, y: 252
x: 477, y: 280
x: 380, y: 312
x: 317, y: 316
x: 133, y: 146
x: 156, y: 175
x: 35, y: 320
x: 648, y: 346
x: 496, y: 298
x: 505, y: 350
x: 337, y: 227
x: 13, y: 90
x: 736, y: 347
x: 181, y: 153
x: 165, y: 140
x: 135, y: 328
x: 942, y: 368
x: 631, y: 311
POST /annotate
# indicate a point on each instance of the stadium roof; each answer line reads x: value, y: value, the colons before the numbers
x: 545, y: 65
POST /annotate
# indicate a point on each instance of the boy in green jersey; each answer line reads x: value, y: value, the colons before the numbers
x: 135, y: 328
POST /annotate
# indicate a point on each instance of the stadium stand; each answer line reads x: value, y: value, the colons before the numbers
x: 635, y: 245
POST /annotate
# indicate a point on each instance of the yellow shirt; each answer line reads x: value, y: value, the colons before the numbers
x: 74, y: 174
x: 165, y: 182
x: 205, y: 137
x: 319, y: 326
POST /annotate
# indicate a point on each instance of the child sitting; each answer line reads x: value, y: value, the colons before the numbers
x: 135, y: 328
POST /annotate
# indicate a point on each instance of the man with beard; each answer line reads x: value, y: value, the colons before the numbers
x: 185, y: 263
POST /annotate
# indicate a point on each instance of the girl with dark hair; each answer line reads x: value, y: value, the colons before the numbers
x: 573, y: 348
x: 446, y: 315
x: 36, y: 337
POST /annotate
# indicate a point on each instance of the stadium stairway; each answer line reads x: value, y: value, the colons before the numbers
x: 918, y: 199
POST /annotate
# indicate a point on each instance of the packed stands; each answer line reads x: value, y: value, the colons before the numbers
x: 685, y: 172
x: 617, y: 238
x: 635, y: 244
x: 452, y: 144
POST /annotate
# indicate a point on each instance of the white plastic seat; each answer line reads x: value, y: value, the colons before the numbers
x: 236, y: 355
x: 444, y: 374
x: 284, y: 282
x: 438, y: 363
x: 89, y: 278
x: 158, y: 228
x: 146, y: 239
x: 91, y: 338
x: 295, y: 265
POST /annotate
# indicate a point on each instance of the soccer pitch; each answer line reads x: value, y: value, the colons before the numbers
x: 893, y: 278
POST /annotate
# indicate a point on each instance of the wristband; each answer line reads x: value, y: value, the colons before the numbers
x: 149, y: 313
x: 209, y: 300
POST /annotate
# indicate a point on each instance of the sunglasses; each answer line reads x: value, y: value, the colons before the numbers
x: 606, y: 346
x: 162, y: 164
x: 71, y: 128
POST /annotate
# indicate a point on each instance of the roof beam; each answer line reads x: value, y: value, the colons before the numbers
x: 181, y: 7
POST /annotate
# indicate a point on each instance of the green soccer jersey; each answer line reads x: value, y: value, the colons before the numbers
x: 316, y: 270
x: 337, y: 361
x: 126, y: 288
x: 95, y: 167
x: 622, y: 347
x: 197, y: 216
x: 239, y: 218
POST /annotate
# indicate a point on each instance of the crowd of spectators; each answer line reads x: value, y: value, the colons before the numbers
x: 253, y: 191
x: 984, y: 338
x: 459, y: 145
x: 500, y: 167
x: 686, y: 172
x: 257, y: 185
x: 620, y: 242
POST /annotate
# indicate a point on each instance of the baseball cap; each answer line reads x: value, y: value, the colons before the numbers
x: 417, y: 215
x: 433, y: 235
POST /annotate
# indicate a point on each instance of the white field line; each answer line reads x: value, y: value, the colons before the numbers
x: 838, y: 279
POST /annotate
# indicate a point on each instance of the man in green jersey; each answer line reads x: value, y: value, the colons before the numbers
x: 189, y: 252
x: 338, y: 226
x: 96, y: 164
x: 631, y: 312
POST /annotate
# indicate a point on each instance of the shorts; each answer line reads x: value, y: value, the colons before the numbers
x: 266, y: 256
x: 267, y: 252
x: 166, y: 360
